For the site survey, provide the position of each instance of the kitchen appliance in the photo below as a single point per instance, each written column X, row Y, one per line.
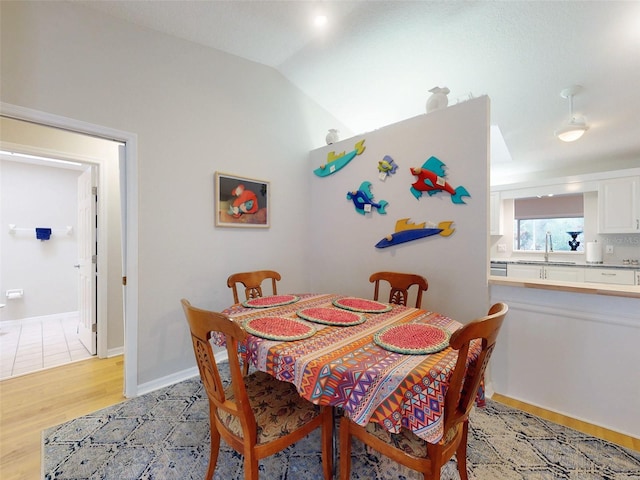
column 499, row 269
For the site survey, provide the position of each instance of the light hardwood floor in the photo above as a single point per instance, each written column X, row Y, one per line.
column 32, row 403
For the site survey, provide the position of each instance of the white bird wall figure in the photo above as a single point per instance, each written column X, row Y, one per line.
column 438, row 98
column 332, row 136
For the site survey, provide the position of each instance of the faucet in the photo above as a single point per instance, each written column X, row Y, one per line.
column 548, row 246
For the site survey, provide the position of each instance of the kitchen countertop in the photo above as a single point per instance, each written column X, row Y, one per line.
column 632, row 291
column 563, row 263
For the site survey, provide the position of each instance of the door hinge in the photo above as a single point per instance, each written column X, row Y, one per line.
column 94, row 259
column 94, row 327
column 94, row 190
column 124, row 281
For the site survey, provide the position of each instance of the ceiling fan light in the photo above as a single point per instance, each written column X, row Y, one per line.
column 576, row 126
column 571, row 132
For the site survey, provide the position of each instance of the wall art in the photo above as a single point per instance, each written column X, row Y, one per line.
column 407, row 231
column 241, row 202
column 335, row 162
column 431, row 179
column 387, row 166
column 363, row 200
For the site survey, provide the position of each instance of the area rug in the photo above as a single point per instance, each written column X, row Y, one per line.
column 164, row 435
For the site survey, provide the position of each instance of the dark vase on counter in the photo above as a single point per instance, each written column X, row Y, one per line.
column 574, row 243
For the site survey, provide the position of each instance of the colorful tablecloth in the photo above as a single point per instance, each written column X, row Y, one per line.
column 343, row 367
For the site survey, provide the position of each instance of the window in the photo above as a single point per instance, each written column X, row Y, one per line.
column 558, row 215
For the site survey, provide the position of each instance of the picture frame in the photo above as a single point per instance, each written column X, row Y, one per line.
column 241, row 201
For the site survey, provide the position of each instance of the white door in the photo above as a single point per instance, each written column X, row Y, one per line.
column 87, row 326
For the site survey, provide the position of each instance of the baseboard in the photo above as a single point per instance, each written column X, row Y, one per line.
column 624, row 439
column 114, row 352
column 176, row 377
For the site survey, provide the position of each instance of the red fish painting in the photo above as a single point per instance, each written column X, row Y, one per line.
column 245, row 202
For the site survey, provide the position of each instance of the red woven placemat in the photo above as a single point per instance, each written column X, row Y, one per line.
column 412, row 338
column 279, row 328
column 361, row 305
column 271, row 301
column 331, row 316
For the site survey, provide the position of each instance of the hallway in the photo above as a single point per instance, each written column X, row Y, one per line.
column 38, row 343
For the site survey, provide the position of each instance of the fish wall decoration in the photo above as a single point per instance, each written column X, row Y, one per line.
column 339, row 161
column 431, row 179
column 363, row 200
column 407, row 231
column 387, row 166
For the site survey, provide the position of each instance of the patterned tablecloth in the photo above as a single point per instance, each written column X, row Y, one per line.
column 343, row 367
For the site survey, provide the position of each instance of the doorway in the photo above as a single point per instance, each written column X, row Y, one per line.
column 125, row 170
column 45, row 171
column 128, row 177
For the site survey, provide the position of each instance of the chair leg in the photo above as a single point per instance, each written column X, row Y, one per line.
column 214, row 450
column 250, row 466
column 461, row 452
column 434, row 452
column 327, row 443
column 244, row 362
column 434, row 474
column 345, row 449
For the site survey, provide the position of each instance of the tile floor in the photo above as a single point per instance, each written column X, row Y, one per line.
column 37, row 343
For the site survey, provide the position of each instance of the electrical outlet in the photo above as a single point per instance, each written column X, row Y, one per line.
column 609, row 249
column 502, row 248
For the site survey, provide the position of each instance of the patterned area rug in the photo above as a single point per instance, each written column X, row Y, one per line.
column 165, row 435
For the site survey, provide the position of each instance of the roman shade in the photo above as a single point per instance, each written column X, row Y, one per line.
column 558, row 206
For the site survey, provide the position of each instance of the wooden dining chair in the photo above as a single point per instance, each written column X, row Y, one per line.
column 410, row 450
column 257, row 415
column 400, row 284
column 252, row 282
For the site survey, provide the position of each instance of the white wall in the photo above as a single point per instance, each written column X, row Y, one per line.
column 38, row 196
column 195, row 110
column 572, row 353
column 341, row 250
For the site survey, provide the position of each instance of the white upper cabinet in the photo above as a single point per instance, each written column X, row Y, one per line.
column 495, row 214
column 619, row 205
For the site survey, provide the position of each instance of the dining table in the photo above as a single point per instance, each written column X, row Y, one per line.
column 378, row 362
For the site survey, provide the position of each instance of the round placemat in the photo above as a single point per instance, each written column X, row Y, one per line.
column 331, row 316
column 361, row 305
column 271, row 301
column 412, row 338
column 279, row 328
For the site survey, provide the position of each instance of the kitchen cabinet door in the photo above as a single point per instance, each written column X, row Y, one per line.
column 524, row 271
column 619, row 205
column 564, row 274
column 611, row 276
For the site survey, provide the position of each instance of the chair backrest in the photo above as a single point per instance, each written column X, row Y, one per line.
column 252, row 282
column 464, row 383
column 202, row 323
column 400, row 284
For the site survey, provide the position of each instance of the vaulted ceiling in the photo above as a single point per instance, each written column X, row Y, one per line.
column 375, row 61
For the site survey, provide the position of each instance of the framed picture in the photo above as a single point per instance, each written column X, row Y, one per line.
column 241, row 202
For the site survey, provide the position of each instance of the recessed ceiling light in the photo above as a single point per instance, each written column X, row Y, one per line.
column 320, row 20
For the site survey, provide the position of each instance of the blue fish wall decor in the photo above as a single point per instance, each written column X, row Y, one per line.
column 363, row 200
